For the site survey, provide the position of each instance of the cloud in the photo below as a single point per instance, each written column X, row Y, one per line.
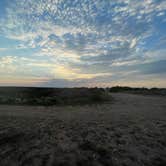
column 82, row 39
column 3, row 49
column 158, row 67
column 6, row 65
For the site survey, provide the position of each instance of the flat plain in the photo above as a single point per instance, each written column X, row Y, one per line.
column 128, row 131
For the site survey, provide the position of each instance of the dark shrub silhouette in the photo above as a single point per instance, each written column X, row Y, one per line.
column 52, row 96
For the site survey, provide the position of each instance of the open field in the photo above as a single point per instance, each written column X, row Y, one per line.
column 130, row 131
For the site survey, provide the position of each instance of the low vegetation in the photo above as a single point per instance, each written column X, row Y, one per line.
column 131, row 131
column 52, row 96
column 67, row 96
column 144, row 91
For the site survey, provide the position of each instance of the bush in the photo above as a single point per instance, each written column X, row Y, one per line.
column 52, row 96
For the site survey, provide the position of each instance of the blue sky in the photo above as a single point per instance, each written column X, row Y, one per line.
column 66, row 43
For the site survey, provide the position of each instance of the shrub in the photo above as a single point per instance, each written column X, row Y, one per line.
column 52, row 96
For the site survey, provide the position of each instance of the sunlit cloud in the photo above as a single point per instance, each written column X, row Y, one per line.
column 81, row 39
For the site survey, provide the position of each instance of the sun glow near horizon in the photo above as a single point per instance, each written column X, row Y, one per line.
column 62, row 43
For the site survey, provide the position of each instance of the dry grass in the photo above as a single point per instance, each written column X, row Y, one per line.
column 131, row 131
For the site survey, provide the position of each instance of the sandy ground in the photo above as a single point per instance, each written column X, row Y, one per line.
column 130, row 131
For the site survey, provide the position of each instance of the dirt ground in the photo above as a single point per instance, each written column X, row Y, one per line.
column 130, row 131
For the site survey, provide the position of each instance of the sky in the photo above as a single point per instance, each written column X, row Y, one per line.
column 83, row 43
